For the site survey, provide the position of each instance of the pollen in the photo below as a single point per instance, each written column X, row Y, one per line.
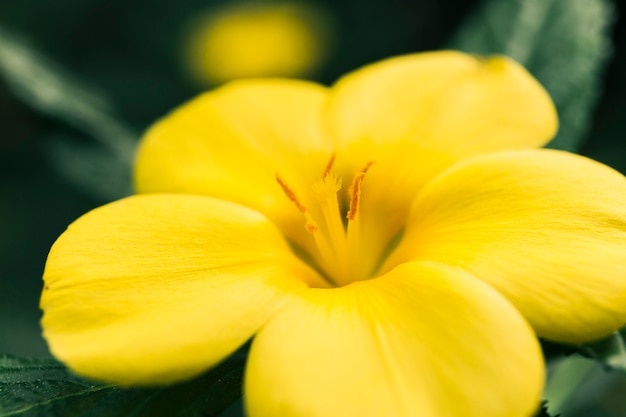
column 329, row 165
column 311, row 227
column 291, row 195
column 355, row 191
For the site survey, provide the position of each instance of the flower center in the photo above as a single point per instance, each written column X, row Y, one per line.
column 337, row 235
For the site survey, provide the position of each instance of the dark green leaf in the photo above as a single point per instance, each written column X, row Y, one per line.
column 96, row 170
column 553, row 350
column 611, row 352
column 564, row 43
column 543, row 412
column 45, row 388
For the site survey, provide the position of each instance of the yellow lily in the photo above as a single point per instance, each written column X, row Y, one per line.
column 393, row 244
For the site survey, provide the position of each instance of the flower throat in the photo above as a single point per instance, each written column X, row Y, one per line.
column 337, row 236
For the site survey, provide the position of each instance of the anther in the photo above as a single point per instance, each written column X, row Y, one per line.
column 355, row 195
column 311, row 226
column 329, row 165
column 354, row 192
column 367, row 167
column 291, row 195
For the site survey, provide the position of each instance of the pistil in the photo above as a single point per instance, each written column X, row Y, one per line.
column 333, row 231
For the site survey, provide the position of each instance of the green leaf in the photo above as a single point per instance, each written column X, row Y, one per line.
column 98, row 171
column 566, row 385
column 610, row 352
column 53, row 91
column 564, row 43
column 45, row 388
column 543, row 412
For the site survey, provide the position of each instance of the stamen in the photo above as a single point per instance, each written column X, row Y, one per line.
column 355, row 191
column 339, row 245
column 329, row 165
column 355, row 196
column 291, row 195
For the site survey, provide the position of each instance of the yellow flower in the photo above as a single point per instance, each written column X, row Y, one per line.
column 392, row 243
column 256, row 40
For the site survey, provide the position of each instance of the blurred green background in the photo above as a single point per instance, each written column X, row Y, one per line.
column 128, row 53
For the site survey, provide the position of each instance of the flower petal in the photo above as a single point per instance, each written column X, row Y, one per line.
column 155, row 289
column 231, row 142
column 425, row 340
column 546, row 228
column 444, row 100
column 416, row 115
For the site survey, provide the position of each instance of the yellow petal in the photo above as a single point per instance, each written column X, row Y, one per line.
column 444, row 100
column 425, row 340
column 155, row 289
column 546, row 228
column 417, row 114
column 231, row 142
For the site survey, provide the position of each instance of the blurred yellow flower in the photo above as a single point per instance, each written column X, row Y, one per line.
column 393, row 244
column 256, row 40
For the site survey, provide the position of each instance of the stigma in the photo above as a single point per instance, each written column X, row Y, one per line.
column 336, row 230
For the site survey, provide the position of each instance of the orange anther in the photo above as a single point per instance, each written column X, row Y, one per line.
column 291, row 195
column 355, row 195
column 329, row 165
column 311, row 227
column 355, row 191
column 367, row 166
